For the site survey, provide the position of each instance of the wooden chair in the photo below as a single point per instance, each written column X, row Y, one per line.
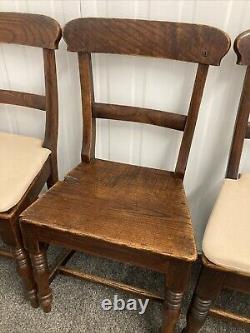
column 128, row 213
column 226, row 243
column 27, row 163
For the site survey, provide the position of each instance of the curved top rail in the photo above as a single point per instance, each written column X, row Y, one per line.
column 242, row 48
column 180, row 41
column 29, row 29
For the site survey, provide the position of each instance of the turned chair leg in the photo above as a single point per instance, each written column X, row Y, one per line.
column 41, row 274
column 176, row 282
column 208, row 288
column 23, row 266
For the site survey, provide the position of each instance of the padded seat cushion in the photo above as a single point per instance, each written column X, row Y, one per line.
column 227, row 237
column 21, row 159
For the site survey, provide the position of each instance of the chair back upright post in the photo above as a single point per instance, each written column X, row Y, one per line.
column 242, row 125
column 43, row 32
column 177, row 41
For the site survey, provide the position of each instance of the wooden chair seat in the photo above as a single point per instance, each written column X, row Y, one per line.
column 23, row 158
column 227, row 237
column 137, row 207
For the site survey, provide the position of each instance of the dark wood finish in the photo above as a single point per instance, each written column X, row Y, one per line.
column 213, row 277
column 180, row 41
column 22, row 99
column 44, row 32
column 29, row 29
column 139, row 115
column 24, row 270
column 40, row 270
column 132, row 214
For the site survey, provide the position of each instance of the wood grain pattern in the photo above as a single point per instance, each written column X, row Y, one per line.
column 22, row 99
column 139, row 115
column 140, row 219
column 29, row 29
column 180, row 41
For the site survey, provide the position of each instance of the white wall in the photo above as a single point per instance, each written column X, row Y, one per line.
column 160, row 84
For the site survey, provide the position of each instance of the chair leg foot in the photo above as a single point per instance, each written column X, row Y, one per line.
column 197, row 315
column 41, row 274
column 23, row 266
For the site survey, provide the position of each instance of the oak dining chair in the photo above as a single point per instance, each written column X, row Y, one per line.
column 27, row 163
column 128, row 213
column 226, row 243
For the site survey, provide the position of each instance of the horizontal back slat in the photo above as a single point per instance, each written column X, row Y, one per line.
column 29, row 29
column 180, row 41
column 140, row 115
column 22, row 99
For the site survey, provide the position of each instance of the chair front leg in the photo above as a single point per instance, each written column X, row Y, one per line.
column 176, row 282
column 209, row 285
column 37, row 252
column 24, row 269
column 41, row 274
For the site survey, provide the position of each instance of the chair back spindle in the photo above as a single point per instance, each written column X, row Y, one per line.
column 242, row 125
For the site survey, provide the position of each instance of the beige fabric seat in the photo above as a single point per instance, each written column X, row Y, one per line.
column 227, row 237
column 21, row 159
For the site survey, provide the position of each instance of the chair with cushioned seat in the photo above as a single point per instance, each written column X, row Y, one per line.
column 226, row 243
column 27, row 163
column 128, row 213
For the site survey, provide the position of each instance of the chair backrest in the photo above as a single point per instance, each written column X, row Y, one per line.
column 242, row 125
column 180, row 41
column 38, row 31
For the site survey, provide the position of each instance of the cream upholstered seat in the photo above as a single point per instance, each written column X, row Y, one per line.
column 21, row 159
column 227, row 237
